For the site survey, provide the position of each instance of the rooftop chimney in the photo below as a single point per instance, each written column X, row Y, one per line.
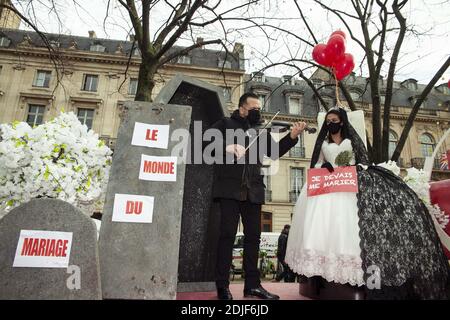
column 200, row 40
column 92, row 34
column 238, row 50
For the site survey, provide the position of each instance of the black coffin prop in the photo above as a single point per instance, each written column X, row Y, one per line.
column 200, row 215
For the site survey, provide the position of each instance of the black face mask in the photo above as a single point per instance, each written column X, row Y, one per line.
column 254, row 116
column 333, row 127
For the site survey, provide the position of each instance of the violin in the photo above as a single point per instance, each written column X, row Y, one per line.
column 279, row 126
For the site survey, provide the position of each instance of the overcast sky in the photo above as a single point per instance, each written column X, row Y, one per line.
column 421, row 56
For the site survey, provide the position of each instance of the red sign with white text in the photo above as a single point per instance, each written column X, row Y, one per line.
column 342, row 179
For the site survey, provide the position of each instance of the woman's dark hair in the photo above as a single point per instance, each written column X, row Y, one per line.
column 347, row 132
column 344, row 120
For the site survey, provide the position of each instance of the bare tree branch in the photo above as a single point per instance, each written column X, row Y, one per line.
column 390, row 79
column 416, row 107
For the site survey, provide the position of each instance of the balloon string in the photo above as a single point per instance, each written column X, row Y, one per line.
column 338, row 101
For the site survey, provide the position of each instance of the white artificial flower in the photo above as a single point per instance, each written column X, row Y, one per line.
column 417, row 180
column 391, row 165
column 59, row 159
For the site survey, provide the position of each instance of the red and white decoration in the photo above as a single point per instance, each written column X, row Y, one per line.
column 43, row 249
column 150, row 135
column 155, row 168
column 342, row 179
column 133, row 208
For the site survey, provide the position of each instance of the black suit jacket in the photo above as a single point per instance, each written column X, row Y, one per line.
column 242, row 181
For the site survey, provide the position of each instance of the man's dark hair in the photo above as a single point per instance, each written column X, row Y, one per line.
column 243, row 98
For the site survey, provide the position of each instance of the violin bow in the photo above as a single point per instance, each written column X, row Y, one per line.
column 261, row 130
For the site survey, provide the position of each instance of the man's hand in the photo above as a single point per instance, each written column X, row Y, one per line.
column 237, row 149
column 297, row 128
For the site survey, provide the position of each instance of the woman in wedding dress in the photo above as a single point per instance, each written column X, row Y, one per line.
column 381, row 239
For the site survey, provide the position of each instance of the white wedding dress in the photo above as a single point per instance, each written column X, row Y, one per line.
column 324, row 235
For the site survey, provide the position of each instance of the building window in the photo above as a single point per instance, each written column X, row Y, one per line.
column 322, row 108
column 329, row 101
column 266, row 222
column 97, row 48
column 258, row 76
column 288, row 79
column 296, row 183
column 224, row 64
column 355, row 95
column 184, row 59
column 393, row 139
column 42, row 79
column 90, row 82
column 35, row 115
column 317, row 83
column 295, row 105
column 132, row 88
column 54, row 44
column 262, row 100
column 427, row 145
column 268, row 191
column 422, row 105
column 86, row 116
column 136, row 52
column 412, row 86
column 382, row 99
column 298, row 151
column 266, row 180
column 226, row 92
column 352, row 77
column 445, row 89
column 4, row 42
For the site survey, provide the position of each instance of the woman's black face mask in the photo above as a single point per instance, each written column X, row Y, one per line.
column 254, row 116
column 334, row 127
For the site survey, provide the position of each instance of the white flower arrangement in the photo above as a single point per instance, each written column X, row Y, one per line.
column 59, row 159
column 417, row 180
column 392, row 166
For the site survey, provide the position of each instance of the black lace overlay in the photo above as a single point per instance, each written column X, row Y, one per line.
column 399, row 238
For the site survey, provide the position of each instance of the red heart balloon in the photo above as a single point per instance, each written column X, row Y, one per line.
column 448, row 83
column 344, row 66
column 321, row 55
column 339, row 32
column 336, row 46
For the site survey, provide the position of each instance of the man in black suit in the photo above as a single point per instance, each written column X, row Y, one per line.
column 239, row 188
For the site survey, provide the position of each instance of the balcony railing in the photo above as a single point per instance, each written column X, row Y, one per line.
column 428, row 112
column 418, row 163
column 297, row 152
column 437, row 164
column 268, row 195
column 293, row 196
